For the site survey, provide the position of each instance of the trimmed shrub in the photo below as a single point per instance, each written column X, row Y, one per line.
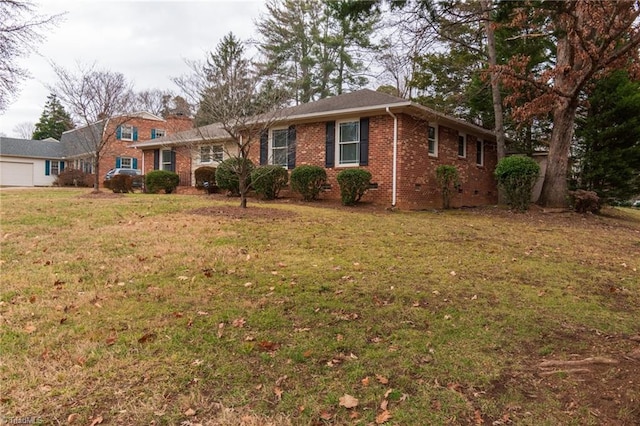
column 517, row 175
column 120, row 184
column 267, row 181
column 161, row 179
column 353, row 184
column 206, row 179
column 74, row 177
column 448, row 179
column 308, row 181
column 585, row 201
column 227, row 174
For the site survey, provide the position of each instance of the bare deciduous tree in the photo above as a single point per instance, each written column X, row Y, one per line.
column 229, row 92
column 20, row 31
column 97, row 99
column 24, row 130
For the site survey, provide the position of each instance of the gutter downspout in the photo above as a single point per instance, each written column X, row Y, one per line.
column 394, row 174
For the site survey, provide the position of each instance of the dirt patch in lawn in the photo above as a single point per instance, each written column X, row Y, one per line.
column 595, row 379
column 101, row 195
column 236, row 212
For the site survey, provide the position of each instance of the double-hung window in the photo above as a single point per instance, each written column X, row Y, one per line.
column 432, row 137
column 479, row 152
column 211, row 154
column 349, row 143
column 165, row 159
column 126, row 133
column 279, row 147
column 126, row 163
column 55, row 168
column 462, row 145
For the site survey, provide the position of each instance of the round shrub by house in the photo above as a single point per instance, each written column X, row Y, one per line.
column 157, row 180
column 353, row 184
column 517, row 175
column 228, row 172
column 267, row 181
column 308, row 181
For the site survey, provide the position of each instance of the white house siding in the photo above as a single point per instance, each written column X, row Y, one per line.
column 19, row 171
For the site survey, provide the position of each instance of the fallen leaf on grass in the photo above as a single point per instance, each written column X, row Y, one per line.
column 30, row 329
column 98, row 420
column 348, row 401
column 383, row 380
column 384, row 404
column 239, row 322
column 383, row 417
column 148, row 337
column 354, row 415
column 73, row 418
column 190, row 412
column 326, row 415
column 477, row 418
column 111, row 339
column 268, row 346
column 365, row 381
column 278, row 393
column 220, row 330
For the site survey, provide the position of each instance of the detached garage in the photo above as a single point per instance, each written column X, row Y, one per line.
column 25, row 162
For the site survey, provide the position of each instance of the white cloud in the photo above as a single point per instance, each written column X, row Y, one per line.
column 147, row 41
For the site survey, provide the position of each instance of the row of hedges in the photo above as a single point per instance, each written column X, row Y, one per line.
column 268, row 181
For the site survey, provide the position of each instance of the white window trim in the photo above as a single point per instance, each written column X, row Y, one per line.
column 122, row 166
column 160, row 133
column 337, row 142
column 270, row 146
column 480, row 142
column 162, row 163
column 128, row 127
column 435, row 145
column 465, row 139
column 211, row 154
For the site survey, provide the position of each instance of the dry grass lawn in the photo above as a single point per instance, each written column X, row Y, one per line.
column 183, row 309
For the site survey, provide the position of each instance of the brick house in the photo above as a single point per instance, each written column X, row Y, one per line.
column 119, row 133
column 400, row 142
column 185, row 151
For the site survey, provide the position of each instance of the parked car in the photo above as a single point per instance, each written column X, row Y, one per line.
column 137, row 183
column 636, row 204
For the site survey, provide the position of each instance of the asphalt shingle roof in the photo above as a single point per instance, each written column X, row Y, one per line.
column 13, row 147
column 82, row 140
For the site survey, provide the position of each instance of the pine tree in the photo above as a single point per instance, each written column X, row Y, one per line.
column 609, row 138
column 54, row 120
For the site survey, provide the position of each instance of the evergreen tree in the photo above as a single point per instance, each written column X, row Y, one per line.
column 54, row 120
column 313, row 48
column 609, row 138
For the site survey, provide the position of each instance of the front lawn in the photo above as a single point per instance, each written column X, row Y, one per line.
column 182, row 309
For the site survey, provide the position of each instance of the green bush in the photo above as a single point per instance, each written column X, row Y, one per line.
column 267, row 181
column 206, row 178
column 161, row 179
column 308, row 181
column 74, row 177
column 448, row 179
column 353, row 184
column 227, row 174
column 517, row 175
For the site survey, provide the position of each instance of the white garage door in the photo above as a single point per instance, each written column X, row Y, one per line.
column 16, row 174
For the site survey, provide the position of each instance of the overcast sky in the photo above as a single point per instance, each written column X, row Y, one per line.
column 146, row 40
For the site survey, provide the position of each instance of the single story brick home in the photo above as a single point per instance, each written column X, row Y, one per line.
column 25, row 162
column 400, row 142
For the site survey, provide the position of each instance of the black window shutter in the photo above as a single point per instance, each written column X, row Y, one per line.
column 264, row 147
column 330, row 151
column 173, row 161
column 156, row 159
column 364, row 141
column 291, row 148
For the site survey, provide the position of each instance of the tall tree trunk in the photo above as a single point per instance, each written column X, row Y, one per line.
column 555, row 189
column 495, row 79
column 96, row 170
